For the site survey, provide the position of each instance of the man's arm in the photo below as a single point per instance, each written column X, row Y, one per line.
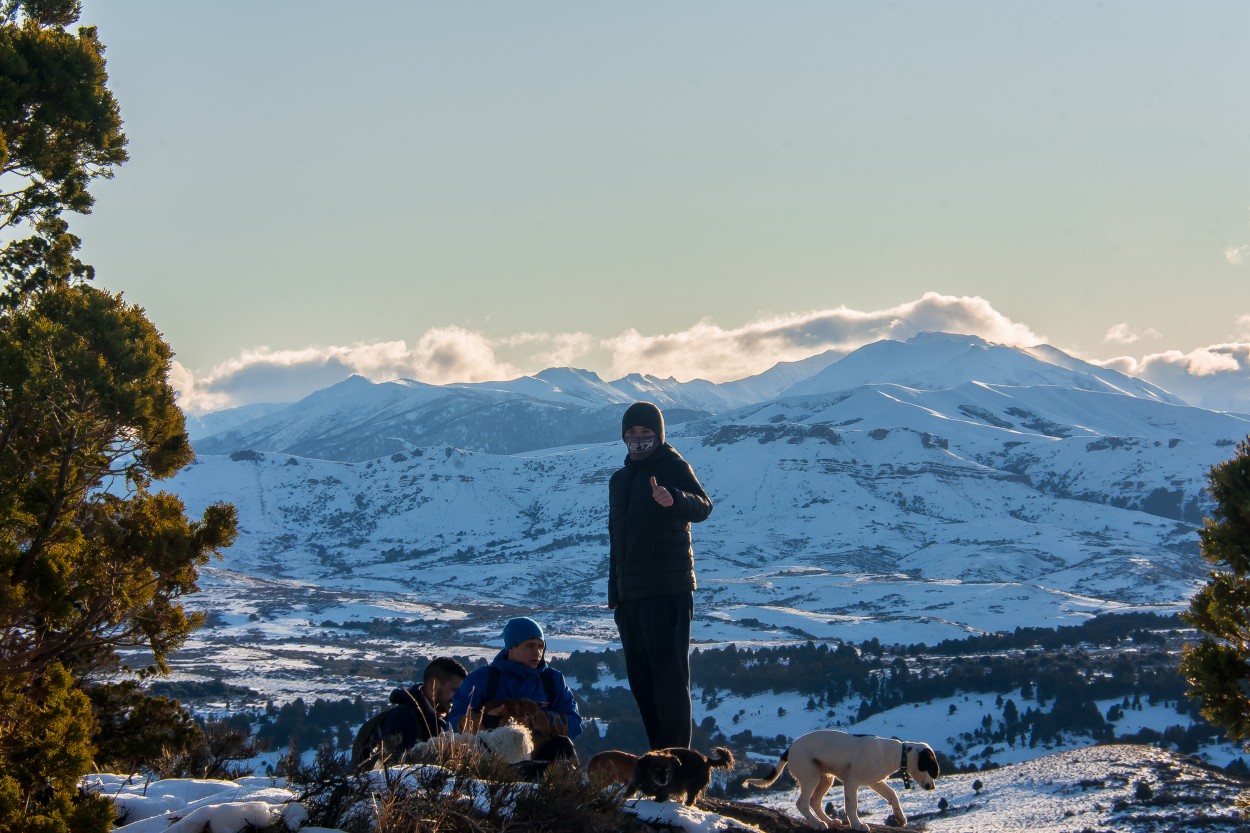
column 690, row 502
column 566, row 707
column 468, row 696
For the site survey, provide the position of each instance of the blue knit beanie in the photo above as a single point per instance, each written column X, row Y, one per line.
column 519, row 630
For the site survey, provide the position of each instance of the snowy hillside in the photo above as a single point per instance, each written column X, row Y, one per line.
column 1098, row 788
column 357, row 420
column 933, row 361
column 1133, row 789
column 884, row 511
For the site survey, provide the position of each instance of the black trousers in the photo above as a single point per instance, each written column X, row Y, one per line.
column 655, row 637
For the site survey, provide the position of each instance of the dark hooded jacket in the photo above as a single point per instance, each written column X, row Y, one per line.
column 650, row 544
column 415, row 721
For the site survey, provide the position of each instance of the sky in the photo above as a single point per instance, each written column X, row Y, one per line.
column 474, row 191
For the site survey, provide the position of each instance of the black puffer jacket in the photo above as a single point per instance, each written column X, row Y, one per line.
column 650, row 544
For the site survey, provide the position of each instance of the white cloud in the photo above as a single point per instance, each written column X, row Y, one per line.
column 560, row 349
column 1124, row 334
column 1205, row 361
column 709, row 351
column 1217, row 376
column 442, row 355
column 704, row 350
column 1236, row 254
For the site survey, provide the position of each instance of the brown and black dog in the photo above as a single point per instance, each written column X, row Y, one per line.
column 612, row 766
column 677, row 771
column 542, row 725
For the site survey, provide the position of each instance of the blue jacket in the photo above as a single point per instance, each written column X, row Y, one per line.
column 516, row 681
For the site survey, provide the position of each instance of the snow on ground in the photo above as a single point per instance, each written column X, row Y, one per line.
column 676, row 816
column 1125, row 788
column 188, row 805
column 934, row 723
column 1096, row 788
column 208, row 806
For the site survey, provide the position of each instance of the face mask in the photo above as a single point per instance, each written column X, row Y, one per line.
column 641, row 445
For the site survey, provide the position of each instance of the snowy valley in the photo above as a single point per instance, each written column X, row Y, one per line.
column 908, row 493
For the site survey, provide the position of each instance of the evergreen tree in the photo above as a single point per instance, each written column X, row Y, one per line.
column 94, row 560
column 60, row 128
column 1218, row 667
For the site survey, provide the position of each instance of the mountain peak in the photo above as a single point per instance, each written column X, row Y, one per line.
column 942, row 361
column 932, row 337
column 563, row 374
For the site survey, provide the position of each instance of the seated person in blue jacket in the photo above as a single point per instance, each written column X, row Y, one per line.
column 519, row 672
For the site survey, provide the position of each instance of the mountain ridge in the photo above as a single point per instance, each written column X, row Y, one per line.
column 358, row 420
column 1043, row 502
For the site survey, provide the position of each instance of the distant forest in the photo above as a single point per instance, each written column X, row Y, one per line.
column 1057, row 674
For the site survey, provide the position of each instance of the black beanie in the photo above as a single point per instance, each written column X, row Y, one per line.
column 646, row 415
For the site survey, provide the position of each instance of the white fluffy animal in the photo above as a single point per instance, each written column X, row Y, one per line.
column 817, row 758
column 511, row 741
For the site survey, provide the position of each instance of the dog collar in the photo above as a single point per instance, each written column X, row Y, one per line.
column 902, row 764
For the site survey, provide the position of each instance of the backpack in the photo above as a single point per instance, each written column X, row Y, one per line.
column 369, row 739
column 548, row 680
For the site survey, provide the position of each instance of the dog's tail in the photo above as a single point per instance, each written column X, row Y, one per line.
column 772, row 776
column 724, row 758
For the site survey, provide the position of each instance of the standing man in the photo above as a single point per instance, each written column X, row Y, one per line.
column 652, row 500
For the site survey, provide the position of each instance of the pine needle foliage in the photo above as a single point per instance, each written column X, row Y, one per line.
column 94, row 560
column 1218, row 667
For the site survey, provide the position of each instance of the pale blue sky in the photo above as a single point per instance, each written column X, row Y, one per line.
column 318, row 176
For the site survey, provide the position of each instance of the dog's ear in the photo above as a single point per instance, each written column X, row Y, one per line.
column 927, row 761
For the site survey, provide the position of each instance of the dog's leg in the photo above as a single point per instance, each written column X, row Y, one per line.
column 812, row 788
column 817, row 801
column 884, row 790
column 697, row 785
column 851, row 795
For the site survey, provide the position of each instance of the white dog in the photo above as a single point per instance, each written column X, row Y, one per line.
column 857, row 761
column 511, row 741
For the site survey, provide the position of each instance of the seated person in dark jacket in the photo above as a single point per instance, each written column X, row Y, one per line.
column 520, row 673
column 423, row 707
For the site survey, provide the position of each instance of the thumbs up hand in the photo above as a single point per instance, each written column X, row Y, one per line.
column 661, row 495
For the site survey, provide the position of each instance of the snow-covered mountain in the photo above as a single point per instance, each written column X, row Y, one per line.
column 949, row 487
column 358, row 420
column 205, row 425
column 933, row 361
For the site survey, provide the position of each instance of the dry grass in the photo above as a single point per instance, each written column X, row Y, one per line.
column 456, row 789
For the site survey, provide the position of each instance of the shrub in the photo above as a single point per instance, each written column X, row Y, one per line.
column 456, row 790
